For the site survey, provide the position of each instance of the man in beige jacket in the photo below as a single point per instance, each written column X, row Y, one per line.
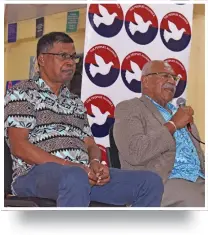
column 151, row 134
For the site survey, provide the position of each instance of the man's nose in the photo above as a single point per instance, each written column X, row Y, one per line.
column 172, row 81
column 70, row 62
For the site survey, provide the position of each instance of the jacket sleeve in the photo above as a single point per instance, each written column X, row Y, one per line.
column 132, row 142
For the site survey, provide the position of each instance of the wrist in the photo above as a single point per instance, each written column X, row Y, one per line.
column 94, row 160
column 173, row 123
column 171, row 127
column 65, row 162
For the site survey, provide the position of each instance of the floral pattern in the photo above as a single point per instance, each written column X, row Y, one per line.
column 187, row 164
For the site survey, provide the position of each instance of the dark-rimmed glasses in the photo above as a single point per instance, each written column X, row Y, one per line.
column 64, row 56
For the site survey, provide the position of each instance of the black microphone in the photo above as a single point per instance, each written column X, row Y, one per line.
column 181, row 102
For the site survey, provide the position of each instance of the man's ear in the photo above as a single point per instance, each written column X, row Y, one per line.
column 41, row 60
column 144, row 81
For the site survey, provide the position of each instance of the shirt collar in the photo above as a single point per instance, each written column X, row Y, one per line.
column 64, row 91
column 169, row 105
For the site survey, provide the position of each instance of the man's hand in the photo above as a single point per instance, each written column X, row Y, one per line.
column 101, row 172
column 183, row 116
column 91, row 175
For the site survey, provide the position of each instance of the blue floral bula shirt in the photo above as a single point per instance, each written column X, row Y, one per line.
column 187, row 164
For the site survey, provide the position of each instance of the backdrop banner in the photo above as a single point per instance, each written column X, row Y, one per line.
column 119, row 40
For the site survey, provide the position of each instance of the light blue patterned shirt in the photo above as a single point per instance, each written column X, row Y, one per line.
column 56, row 124
column 187, row 164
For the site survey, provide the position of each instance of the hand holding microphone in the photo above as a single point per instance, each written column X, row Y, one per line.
column 184, row 116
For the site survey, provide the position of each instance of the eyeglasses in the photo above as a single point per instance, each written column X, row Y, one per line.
column 65, row 56
column 166, row 76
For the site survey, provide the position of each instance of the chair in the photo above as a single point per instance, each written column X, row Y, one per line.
column 112, row 152
column 15, row 201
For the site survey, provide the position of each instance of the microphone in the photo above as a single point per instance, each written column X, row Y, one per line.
column 181, row 102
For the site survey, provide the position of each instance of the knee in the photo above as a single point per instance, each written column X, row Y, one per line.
column 154, row 181
column 75, row 176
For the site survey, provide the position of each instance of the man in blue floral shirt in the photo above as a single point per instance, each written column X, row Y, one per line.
column 157, row 138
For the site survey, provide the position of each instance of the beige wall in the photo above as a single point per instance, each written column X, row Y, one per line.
column 17, row 55
column 196, row 73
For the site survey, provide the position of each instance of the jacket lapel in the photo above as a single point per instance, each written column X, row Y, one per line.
column 153, row 109
column 160, row 119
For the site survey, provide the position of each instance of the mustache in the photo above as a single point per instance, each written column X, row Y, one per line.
column 68, row 70
column 169, row 86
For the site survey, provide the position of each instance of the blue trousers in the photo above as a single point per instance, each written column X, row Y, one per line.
column 70, row 187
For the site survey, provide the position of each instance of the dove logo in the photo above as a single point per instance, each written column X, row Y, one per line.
column 175, row 31
column 106, row 19
column 103, row 153
column 131, row 70
column 100, row 113
column 141, row 24
column 181, row 72
column 102, row 65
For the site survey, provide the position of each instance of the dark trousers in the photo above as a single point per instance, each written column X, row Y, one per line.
column 70, row 187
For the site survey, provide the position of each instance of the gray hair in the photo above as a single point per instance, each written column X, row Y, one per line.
column 147, row 68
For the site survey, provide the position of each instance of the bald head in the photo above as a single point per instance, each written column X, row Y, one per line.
column 156, row 66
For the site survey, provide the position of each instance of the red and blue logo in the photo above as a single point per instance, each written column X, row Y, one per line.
column 102, row 65
column 100, row 113
column 181, row 72
column 141, row 24
column 106, row 19
column 131, row 70
column 175, row 31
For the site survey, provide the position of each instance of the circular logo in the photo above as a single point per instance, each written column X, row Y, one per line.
column 141, row 24
column 181, row 72
column 175, row 31
column 131, row 70
column 102, row 65
column 100, row 112
column 106, row 19
column 103, row 154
